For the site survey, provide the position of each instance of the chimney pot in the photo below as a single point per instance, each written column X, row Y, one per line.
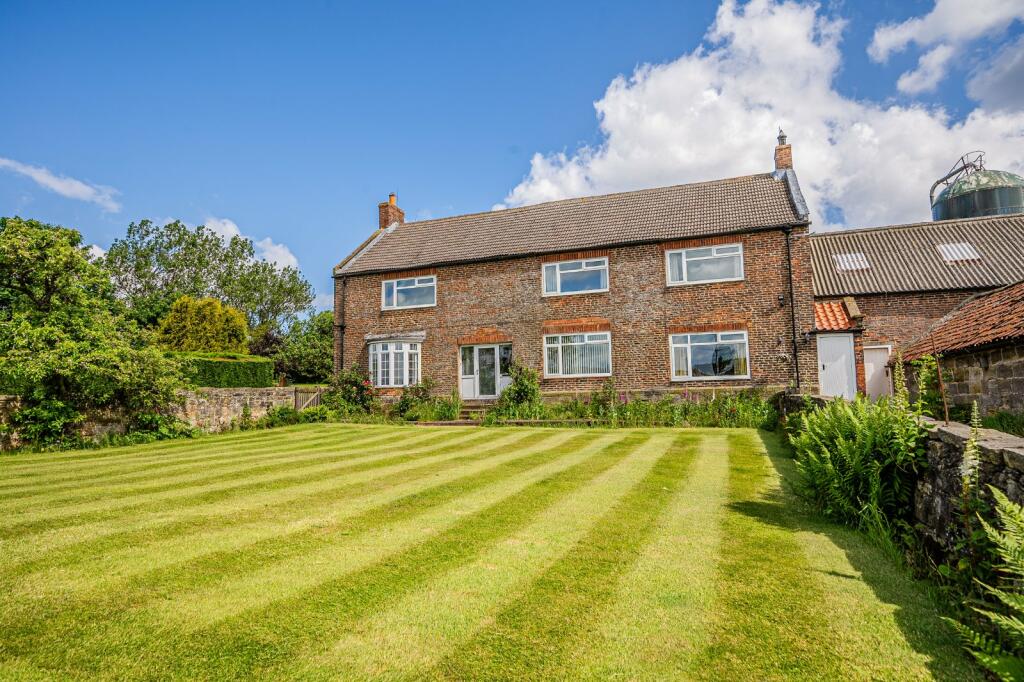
column 783, row 153
column 388, row 212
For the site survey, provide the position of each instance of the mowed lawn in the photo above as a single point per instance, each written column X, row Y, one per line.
column 336, row 551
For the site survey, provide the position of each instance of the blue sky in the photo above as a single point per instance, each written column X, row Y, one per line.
column 289, row 122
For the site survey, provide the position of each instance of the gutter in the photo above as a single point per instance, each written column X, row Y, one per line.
column 792, row 309
column 339, row 324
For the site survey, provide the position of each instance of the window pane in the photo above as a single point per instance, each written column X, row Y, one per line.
column 414, row 368
column 416, row 296
column 550, row 279
column 407, row 282
column 425, row 280
column 600, row 358
column 571, row 265
column 731, row 337
column 505, row 357
column 467, row 361
column 374, row 366
column 699, row 253
column 703, row 338
column 679, row 339
column 681, row 367
column 722, row 250
column 573, row 338
column 385, row 367
column 552, row 360
column 599, row 263
column 723, row 359
column 389, row 294
column 399, row 368
column 675, row 267
column 725, row 267
column 583, row 280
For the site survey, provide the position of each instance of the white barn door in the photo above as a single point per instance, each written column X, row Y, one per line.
column 837, row 372
column 876, row 371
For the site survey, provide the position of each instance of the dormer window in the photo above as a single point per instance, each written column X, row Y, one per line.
column 576, row 277
column 958, row 251
column 411, row 292
column 851, row 261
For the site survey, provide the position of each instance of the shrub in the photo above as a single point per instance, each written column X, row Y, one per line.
column 858, row 461
column 350, row 392
column 306, row 351
column 227, row 370
column 448, row 409
column 412, row 400
column 1002, row 653
column 521, row 399
column 203, row 324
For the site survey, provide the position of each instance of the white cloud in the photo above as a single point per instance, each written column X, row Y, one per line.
column 96, row 251
column 713, row 113
column 999, row 82
column 323, row 302
column 948, row 27
column 266, row 248
column 65, row 186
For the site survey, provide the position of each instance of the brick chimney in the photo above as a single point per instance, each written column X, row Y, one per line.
column 390, row 213
column 783, row 153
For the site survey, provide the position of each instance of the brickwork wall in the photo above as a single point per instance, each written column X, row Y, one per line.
column 898, row 319
column 505, row 298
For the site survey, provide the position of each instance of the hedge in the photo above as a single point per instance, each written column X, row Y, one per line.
column 227, row 370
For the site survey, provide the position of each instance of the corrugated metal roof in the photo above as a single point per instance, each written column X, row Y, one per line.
column 989, row 318
column 665, row 213
column 905, row 258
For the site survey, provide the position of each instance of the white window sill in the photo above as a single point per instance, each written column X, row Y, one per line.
column 704, row 281
column 575, row 293
column 728, row 378
column 576, row 376
column 409, row 307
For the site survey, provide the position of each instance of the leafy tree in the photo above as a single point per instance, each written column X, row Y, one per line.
column 204, row 324
column 307, row 351
column 65, row 345
column 153, row 266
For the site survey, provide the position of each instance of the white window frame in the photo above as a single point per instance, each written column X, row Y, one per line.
column 559, row 344
column 689, row 356
column 714, row 254
column 408, row 347
column 558, row 276
column 418, row 283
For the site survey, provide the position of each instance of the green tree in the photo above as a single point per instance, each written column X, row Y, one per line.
column 153, row 266
column 65, row 345
column 306, row 354
column 204, row 324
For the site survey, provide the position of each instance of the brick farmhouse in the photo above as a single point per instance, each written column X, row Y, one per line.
column 682, row 289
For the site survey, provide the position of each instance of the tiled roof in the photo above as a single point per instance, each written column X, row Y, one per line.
column 986, row 318
column 719, row 207
column 831, row 316
column 905, row 258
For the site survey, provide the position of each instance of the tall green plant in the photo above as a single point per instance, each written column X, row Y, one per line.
column 521, row 399
column 1001, row 652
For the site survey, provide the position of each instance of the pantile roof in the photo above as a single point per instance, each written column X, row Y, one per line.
column 984, row 319
column 650, row 215
column 831, row 316
column 906, row 258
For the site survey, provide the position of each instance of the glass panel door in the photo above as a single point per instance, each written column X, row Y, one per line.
column 486, row 367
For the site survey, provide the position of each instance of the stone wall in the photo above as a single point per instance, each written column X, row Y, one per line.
column 939, row 487
column 213, row 409
column 993, row 377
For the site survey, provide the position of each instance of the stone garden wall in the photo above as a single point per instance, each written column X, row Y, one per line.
column 939, row 488
column 213, row 409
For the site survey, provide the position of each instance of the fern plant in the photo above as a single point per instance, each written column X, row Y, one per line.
column 1001, row 651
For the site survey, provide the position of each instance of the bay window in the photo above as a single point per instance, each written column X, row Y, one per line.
column 411, row 292
column 715, row 355
column 704, row 264
column 578, row 355
column 394, row 364
column 576, row 276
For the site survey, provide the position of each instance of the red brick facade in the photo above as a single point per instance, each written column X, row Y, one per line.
column 502, row 301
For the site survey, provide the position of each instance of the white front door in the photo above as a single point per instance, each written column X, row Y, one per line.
column 876, row 371
column 484, row 370
column 837, row 372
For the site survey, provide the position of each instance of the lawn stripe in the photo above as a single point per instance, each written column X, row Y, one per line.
column 212, row 511
column 316, row 598
column 417, row 630
column 768, row 619
column 291, row 458
column 883, row 624
column 534, row 636
column 658, row 618
column 38, row 520
column 171, row 463
column 121, row 557
column 236, row 551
